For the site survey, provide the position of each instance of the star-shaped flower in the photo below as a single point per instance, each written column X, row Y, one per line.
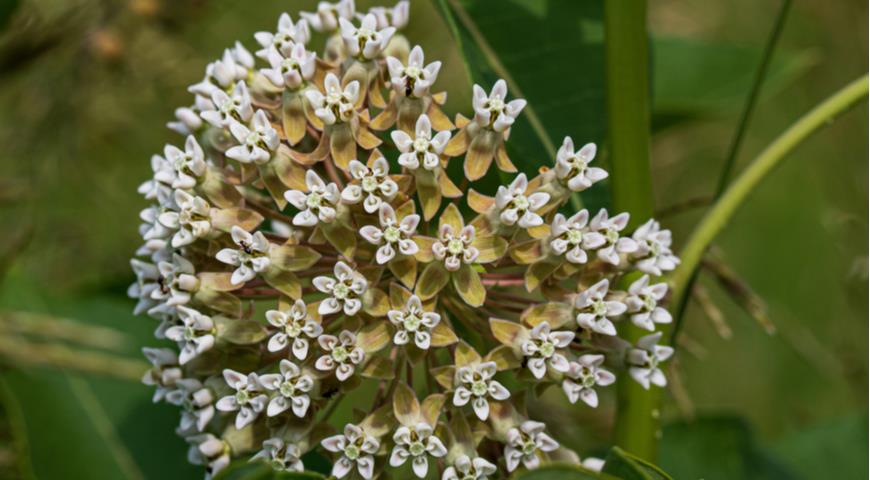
column 493, row 110
column 653, row 255
column 516, row 207
column 392, row 235
column 424, row 149
column 164, row 372
column 524, row 443
column 287, row 36
column 293, row 326
column 573, row 167
column 196, row 402
column 372, row 185
column 466, row 468
column 291, row 386
column 177, row 282
column 417, row 443
column 366, row 41
column 249, row 399
column 337, row 104
column 230, row 108
column 257, row 141
column 643, row 303
column 356, row 448
column 571, row 237
column 211, row 451
column 594, row 311
column 542, row 349
column 415, row 78
column 316, row 205
column 583, row 376
column 397, row 16
column 345, row 290
column 251, row 258
column 476, row 384
column 645, row 359
column 342, row 354
column 291, row 70
column 280, row 455
column 414, row 322
column 195, row 335
column 325, row 19
column 609, row 228
column 190, row 220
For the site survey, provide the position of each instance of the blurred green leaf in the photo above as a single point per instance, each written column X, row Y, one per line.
column 628, row 467
column 717, row 448
column 833, row 449
column 692, row 77
column 71, row 426
column 561, row 472
column 244, row 470
column 7, row 10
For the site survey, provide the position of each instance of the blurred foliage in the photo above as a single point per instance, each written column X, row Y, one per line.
column 88, row 84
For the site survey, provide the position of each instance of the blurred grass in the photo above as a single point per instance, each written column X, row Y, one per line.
column 86, row 86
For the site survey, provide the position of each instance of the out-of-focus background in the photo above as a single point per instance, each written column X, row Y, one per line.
column 86, row 87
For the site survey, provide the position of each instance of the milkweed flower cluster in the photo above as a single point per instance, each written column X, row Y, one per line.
column 304, row 241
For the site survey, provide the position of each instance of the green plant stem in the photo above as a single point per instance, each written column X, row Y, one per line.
column 724, row 209
column 22, row 353
column 628, row 128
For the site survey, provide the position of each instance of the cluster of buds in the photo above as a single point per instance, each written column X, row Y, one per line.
column 307, row 242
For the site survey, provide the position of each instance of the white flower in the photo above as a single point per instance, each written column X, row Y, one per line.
column 164, row 373
column 292, row 387
column 593, row 463
column 291, row 326
column 355, row 447
column 466, row 468
column 251, row 258
column 392, row 235
column 221, row 74
column 645, row 359
column 196, row 402
column 571, row 235
column 582, row 378
column 291, row 70
column 160, row 184
column 594, row 311
column 524, row 443
column 543, row 349
column 147, row 282
column 283, row 457
column 397, row 16
column 325, row 19
column 342, row 354
column 187, row 119
column 211, row 451
column 413, row 321
column 177, row 282
column 195, row 335
column 189, row 165
column 417, row 443
column 643, row 303
column 316, row 205
column 476, row 384
column 454, row 250
column 285, row 38
column 249, row 399
column 413, row 79
column 492, row 110
column 155, row 234
column 191, row 220
column 235, row 107
column 516, row 207
column 613, row 243
column 257, row 142
column 653, row 253
column 365, row 42
column 423, row 148
column 573, row 167
column 345, row 290
column 337, row 104
column 375, row 185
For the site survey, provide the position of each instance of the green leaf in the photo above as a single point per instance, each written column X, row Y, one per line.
column 562, row 472
column 833, row 449
column 628, row 467
column 82, row 426
column 720, row 448
column 244, row 470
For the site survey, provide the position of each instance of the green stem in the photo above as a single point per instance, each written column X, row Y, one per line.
column 724, row 209
column 628, row 127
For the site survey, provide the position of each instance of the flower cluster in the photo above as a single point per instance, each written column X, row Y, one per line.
column 307, row 241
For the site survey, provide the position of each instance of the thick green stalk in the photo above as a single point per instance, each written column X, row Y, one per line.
column 628, row 128
column 724, row 209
